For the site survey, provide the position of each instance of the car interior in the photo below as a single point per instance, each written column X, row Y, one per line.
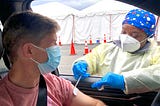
column 112, row 97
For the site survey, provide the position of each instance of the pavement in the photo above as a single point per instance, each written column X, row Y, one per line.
column 67, row 60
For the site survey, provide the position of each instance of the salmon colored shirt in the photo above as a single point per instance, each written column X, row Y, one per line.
column 59, row 93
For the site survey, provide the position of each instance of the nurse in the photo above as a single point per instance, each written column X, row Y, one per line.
column 131, row 63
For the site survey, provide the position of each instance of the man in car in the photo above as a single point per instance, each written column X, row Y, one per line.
column 131, row 63
column 29, row 40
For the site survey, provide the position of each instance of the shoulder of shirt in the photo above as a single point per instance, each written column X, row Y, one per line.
column 51, row 76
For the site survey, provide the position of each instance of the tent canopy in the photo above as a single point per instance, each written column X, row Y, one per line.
column 56, row 9
column 104, row 17
column 108, row 6
column 53, row 9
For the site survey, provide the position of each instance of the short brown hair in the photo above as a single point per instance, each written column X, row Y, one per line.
column 24, row 27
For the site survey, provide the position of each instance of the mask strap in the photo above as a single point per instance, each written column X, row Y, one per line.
column 35, row 61
column 39, row 48
column 146, row 38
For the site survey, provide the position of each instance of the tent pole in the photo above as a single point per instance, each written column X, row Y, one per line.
column 157, row 25
column 73, row 28
column 110, row 22
column 156, row 33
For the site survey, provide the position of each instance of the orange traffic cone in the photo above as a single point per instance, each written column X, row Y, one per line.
column 90, row 40
column 72, row 49
column 60, row 44
column 105, row 41
column 86, row 48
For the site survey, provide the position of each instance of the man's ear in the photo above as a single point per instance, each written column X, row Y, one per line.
column 27, row 49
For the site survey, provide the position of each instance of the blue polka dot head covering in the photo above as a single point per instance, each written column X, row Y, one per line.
column 143, row 20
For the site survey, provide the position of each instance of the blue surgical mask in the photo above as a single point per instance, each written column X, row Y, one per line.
column 53, row 61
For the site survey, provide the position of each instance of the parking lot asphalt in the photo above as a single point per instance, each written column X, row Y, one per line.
column 67, row 59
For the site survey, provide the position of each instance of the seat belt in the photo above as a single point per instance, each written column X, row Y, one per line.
column 42, row 94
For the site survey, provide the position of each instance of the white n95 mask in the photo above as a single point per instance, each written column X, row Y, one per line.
column 128, row 43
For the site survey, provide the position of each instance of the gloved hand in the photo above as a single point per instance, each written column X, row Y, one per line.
column 80, row 69
column 112, row 80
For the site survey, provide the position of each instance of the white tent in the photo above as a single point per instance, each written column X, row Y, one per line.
column 62, row 14
column 53, row 9
column 105, row 17
column 109, row 6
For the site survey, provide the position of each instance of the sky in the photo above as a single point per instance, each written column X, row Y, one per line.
column 76, row 4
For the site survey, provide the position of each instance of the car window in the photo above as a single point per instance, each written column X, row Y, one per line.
column 91, row 24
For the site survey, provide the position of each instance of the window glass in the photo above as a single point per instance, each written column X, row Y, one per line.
column 94, row 23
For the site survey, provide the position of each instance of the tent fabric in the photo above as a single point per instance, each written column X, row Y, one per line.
column 53, row 9
column 108, row 6
column 158, row 30
column 95, row 26
column 105, row 17
column 65, row 33
column 82, row 28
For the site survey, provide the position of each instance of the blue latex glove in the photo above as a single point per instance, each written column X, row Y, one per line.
column 80, row 68
column 112, row 80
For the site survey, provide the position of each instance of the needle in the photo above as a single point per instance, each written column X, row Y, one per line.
column 78, row 81
column 75, row 90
